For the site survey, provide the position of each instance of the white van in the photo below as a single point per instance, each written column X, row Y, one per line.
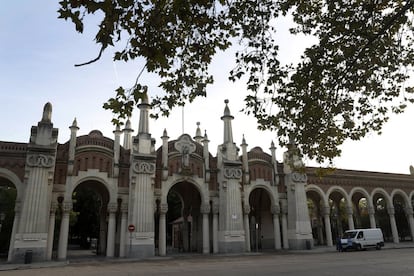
column 362, row 238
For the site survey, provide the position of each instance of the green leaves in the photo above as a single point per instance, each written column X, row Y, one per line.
column 346, row 85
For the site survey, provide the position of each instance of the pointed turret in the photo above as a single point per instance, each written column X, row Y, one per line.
column 164, row 139
column 143, row 142
column 117, row 147
column 127, row 135
column 141, row 187
column 31, row 228
column 206, row 156
column 72, row 145
column 227, row 118
column 245, row 161
column 198, row 137
column 144, row 107
column 274, row 163
column 47, row 113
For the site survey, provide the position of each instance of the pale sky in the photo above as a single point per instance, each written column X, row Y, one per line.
column 37, row 54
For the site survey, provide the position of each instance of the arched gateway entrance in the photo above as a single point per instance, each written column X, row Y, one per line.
column 184, row 221
column 261, row 221
column 88, row 221
column 84, row 222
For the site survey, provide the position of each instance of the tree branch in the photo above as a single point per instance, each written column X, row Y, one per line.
column 93, row 60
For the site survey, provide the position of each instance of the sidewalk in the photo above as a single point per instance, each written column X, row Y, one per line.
column 82, row 260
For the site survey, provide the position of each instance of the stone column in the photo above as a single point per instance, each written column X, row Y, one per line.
column 205, row 210
column 349, row 212
column 124, row 220
column 391, row 213
column 17, row 210
column 64, row 231
column 285, row 240
column 328, row 230
column 320, row 231
column 276, row 226
column 247, row 227
column 371, row 213
column 51, row 231
column 162, row 242
column 110, row 244
column 215, row 228
column 409, row 213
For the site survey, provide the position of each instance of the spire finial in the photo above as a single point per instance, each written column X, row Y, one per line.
column 47, row 113
column 75, row 123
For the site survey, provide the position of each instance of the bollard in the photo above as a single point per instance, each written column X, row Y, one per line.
column 28, row 256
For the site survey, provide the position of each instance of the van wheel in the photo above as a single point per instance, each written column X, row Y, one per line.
column 378, row 247
column 359, row 247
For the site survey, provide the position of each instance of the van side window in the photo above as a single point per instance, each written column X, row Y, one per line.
column 360, row 235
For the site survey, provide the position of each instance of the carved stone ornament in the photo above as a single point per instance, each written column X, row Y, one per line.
column 53, row 207
column 205, row 208
column 232, row 173
column 40, row 160
column 275, row 209
column 67, row 207
column 299, row 177
column 246, row 209
column 326, row 211
column 185, row 147
column 408, row 211
column 144, row 167
column 124, row 207
column 215, row 208
column 163, row 208
column 112, row 207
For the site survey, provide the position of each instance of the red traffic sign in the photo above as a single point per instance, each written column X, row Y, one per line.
column 131, row 228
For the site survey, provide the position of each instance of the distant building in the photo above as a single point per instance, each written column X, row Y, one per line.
column 179, row 198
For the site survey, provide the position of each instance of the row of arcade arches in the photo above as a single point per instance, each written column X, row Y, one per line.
column 335, row 211
column 331, row 213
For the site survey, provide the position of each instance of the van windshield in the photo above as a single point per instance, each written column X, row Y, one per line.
column 349, row 234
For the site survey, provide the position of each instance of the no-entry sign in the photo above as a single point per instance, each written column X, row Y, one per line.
column 131, row 228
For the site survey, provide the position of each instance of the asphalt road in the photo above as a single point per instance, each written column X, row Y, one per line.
column 396, row 262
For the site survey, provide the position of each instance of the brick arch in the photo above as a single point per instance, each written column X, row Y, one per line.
column 167, row 185
column 382, row 192
column 14, row 179
column 340, row 190
column 319, row 191
column 273, row 198
column 404, row 196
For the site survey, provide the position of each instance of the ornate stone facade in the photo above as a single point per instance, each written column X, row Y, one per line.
column 180, row 198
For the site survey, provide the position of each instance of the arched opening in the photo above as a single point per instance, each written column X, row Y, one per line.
column 403, row 228
column 360, row 210
column 338, row 213
column 315, row 205
column 261, row 221
column 8, row 194
column 184, row 220
column 382, row 218
column 88, row 220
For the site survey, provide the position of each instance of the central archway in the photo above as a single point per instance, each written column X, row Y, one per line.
column 261, row 220
column 88, row 221
column 184, row 220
